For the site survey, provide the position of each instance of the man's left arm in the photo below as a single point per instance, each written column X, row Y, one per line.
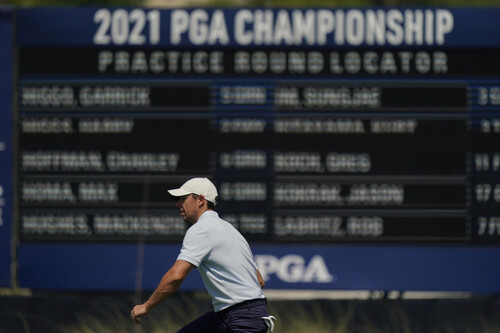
column 168, row 285
column 262, row 283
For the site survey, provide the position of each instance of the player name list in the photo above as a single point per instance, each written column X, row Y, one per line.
column 296, row 153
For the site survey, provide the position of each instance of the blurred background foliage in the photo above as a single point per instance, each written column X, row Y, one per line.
column 250, row 3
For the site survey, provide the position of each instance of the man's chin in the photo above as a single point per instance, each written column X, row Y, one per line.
column 186, row 220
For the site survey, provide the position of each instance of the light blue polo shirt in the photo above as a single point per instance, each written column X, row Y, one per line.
column 224, row 260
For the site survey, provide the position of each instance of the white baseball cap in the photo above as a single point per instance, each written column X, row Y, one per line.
column 199, row 186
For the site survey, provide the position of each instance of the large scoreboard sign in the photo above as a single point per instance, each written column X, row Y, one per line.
column 328, row 132
column 6, row 196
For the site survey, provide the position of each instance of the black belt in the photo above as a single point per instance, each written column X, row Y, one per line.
column 248, row 304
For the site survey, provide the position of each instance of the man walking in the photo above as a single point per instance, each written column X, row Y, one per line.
column 225, row 262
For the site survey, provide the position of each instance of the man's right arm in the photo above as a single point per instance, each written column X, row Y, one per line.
column 168, row 285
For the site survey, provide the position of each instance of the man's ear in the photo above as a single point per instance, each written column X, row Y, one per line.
column 201, row 201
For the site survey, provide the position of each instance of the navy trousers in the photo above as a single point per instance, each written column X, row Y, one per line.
column 244, row 317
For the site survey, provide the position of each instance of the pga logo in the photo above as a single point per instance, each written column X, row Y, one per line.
column 293, row 268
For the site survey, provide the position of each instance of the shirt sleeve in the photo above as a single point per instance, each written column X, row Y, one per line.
column 196, row 246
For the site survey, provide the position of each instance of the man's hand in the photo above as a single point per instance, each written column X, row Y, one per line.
column 138, row 311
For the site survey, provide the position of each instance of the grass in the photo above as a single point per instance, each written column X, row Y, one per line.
column 381, row 316
column 110, row 314
column 291, row 318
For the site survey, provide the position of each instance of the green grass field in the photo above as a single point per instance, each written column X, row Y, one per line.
column 318, row 316
column 110, row 313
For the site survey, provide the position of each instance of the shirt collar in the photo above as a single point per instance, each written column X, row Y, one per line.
column 208, row 213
